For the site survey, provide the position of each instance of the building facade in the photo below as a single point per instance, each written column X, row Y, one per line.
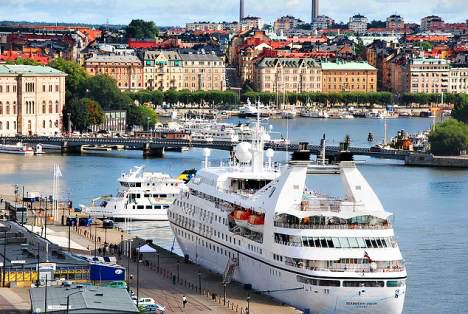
column 427, row 75
column 127, row 70
column 459, row 79
column 358, row 24
column 203, row 72
column 432, row 23
column 163, row 70
column 348, row 77
column 315, row 10
column 322, row 22
column 395, row 23
column 251, row 22
column 288, row 75
column 31, row 100
column 285, row 24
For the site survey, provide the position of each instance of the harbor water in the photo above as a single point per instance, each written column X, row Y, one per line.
column 429, row 205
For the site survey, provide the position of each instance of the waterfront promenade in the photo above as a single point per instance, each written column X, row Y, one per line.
column 163, row 276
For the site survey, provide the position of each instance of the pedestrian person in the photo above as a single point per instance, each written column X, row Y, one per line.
column 184, row 301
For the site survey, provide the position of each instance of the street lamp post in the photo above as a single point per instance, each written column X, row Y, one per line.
column 95, row 239
column 69, row 123
column 128, row 263
column 178, row 270
column 248, row 304
column 224, row 286
column 68, row 299
column 138, row 279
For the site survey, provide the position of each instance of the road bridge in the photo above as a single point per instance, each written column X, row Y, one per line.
column 156, row 146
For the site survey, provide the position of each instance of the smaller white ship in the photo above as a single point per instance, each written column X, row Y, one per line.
column 314, row 113
column 289, row 114
column 18, row 149
column 141, row 196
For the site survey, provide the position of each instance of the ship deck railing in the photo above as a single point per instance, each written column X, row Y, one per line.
column 331, row 226
column 349, row 268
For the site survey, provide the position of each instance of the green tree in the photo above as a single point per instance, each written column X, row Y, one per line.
column 94, row 110
column 460, row 110
column 104, row 90
column 425, row 45
column 78, row 115
column 24, row 61
column 140, row 29
column 449, row 138
column 143, row 116
column 76, row 76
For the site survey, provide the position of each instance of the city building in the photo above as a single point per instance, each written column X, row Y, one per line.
column 204, row 26
column 203, row 72
column 459, row 78
column 163, row 70
column 432, row 23
column 395, row 23
column 114, row 121
column 315, row 10
column 427, row 75
column 251, row 22
column 348, row 77
column 287, row 75
column 322, row 22
column 31, row 100
column 127, row 70
column 285, row 24
column 358, row 24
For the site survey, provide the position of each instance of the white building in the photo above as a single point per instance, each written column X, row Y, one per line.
column 322, row 22
column 31, row 100
column 358, row 23
column 252, row 22
column 459, row 79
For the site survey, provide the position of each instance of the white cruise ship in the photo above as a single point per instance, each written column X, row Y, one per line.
column 262, row 226
column 141, row 196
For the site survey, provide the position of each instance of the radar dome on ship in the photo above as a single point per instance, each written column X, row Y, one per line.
column 269, row 153
column 242, row 151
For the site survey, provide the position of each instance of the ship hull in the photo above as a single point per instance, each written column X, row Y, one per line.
column 282, row 284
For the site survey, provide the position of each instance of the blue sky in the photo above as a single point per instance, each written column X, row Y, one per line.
column 178, row 12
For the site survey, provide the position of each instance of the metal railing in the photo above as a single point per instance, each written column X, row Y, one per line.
column 331, row 226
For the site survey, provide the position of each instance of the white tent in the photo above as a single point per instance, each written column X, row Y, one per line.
column 146, row 249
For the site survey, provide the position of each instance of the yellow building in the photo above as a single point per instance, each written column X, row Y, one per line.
column 290, row 75
column 203, row 72
column 31, row 100
column 348, row 77
column 163, row 70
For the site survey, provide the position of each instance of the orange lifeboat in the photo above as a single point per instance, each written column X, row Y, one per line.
column 256, row 222
column 241, row 217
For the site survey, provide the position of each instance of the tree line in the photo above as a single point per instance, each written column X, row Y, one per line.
column 216, row 99
column 320, row 98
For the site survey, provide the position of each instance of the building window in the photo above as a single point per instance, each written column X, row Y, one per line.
column 50, row 108
column 43, row 124
column 50, row 123
column 56, row 107
column 44, row 105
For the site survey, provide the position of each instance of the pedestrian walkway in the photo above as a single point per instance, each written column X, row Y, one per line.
column 14, row 301
column 174, row 278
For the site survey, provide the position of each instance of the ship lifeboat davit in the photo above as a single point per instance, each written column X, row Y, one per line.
column 241, row 217
column 256, row 223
